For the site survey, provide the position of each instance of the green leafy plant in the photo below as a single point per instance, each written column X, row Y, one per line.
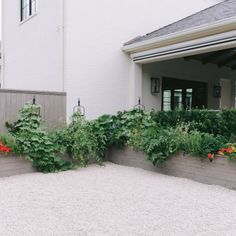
column 211, row 144
column 102, row 129
column 128, row 127
column 84, row 141
column 157, row 134
column 189, row 141
column 197, row 143
column 213, row 122
column 159, row 143
column 61, row 140
column 34, row 142
column 84, row 144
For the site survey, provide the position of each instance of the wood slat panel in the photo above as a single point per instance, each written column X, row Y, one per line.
column 52, row 103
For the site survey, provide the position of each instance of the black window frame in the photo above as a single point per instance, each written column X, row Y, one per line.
column 200, row 91
column 29, row 9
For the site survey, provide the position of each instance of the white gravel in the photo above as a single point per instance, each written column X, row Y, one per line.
column 113, row 200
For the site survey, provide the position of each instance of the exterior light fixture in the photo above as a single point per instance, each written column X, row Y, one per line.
column 155, row 85
column 217, row 91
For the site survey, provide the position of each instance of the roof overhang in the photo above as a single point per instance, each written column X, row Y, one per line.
column 210, row 37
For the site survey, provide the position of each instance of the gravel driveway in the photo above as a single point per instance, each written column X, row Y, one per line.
column 113, row 200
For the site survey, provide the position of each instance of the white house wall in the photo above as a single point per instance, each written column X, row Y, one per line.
column 96, row 69
column 32, row 50
column 186, row 70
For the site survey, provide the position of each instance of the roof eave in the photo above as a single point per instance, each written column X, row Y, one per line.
column 185, row 35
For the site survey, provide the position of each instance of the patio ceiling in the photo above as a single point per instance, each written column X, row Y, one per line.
column 221, row 58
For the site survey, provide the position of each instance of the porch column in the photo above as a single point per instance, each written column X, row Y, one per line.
column 135, row 84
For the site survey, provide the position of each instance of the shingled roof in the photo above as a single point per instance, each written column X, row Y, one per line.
column 220, row 11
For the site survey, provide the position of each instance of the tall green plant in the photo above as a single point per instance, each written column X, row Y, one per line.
column 34, row 142
column 128, row 127
column 159, row 143
column 83, row 141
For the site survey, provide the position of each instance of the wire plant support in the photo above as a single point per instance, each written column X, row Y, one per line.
column 34, row 104
column 79, row 108
column 139, row 106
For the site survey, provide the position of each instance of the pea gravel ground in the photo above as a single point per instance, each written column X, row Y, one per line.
column 113, row 200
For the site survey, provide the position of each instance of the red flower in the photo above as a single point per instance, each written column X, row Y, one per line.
column 4, row 149
column 210, row 156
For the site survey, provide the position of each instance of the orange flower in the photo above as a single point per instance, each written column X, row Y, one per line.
column 229, row 150
column 221, row 153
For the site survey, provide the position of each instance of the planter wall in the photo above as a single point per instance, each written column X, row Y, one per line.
column 219, row 172
column 12, row 165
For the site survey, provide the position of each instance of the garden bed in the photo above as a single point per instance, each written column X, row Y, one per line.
column 14, row 165
column 219, row 172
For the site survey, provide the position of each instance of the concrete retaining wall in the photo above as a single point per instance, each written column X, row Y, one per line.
column 11, row 165
column 219, row 172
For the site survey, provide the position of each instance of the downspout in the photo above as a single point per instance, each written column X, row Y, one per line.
column 63, row 44
column 2, row 47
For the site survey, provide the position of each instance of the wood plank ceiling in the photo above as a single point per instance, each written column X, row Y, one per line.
column 220, row 58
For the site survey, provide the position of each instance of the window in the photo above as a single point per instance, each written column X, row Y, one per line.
column 28, row 8
column 183, row 94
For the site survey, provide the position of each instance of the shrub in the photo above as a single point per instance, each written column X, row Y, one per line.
column 211, row 144
column 102, row 129
column 159, row 143
column 128, row 127
column 84, row 140
column 160, row 138
column 34, row 142
column 190, row 142
column 61, row 140
column 206, row 121
column 83, row 144
column 228, row 123
column 158, row 135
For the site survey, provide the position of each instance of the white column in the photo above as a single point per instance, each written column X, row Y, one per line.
column 135, row 84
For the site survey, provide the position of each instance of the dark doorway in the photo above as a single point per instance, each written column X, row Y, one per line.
column 183, row 94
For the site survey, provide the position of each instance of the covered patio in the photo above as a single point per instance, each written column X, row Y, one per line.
column 188, row 83
column 188, row 64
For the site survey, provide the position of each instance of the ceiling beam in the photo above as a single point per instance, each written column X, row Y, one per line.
column 212, row 56
column 233, row 67
column 190, row 58
column 227, row 60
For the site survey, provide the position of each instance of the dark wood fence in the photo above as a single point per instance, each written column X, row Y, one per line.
column 53, row 106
